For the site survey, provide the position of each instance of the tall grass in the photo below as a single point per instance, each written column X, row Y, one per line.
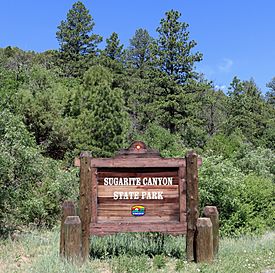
column 134, row 253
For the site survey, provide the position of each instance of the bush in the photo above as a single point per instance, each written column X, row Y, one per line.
column 167, row 144
column 132, row 244
column 31, row 186
column 243, row 200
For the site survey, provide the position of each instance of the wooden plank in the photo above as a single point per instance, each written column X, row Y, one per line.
column 108, row 191
column 192, row 201
column 85, row 201
column 72, row 238
column 68, row 209
column 94, row 195
column 149, row 213
column 138, row 172
column 204, row 241
column 109, row 228
column 127, row 213
column 147, row 169
column 137, row 162
column 150, row 206
column 133, row 182
column 182, row 193
column 110, row 200
column 212, row 213
column 141, row 219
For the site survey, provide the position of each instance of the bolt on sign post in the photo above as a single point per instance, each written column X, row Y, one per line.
column 138, row 191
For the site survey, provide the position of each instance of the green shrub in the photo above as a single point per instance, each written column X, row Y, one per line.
column 150, row 244
column 31, row 186
column 159, row 261
column 224, row 145
column 169, row 145
column 244, row 200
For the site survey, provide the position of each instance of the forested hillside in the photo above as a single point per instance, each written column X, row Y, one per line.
column 86, row 96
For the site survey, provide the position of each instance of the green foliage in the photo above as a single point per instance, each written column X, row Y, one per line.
column 77, row 42
column 37, row 251
column 128, row 264
column 270, row 95
column 42, row 101
column 59, row 103
column 139, row 52
column 162, row 140
column 31, row 186
column 102, row 124
column 174, row 61
column 113, row 49
column 226, row 146
column 172, row 50
column 247, row 111
column 260, row 161
column 159, row 261
column 244, row 200
column 132, row 244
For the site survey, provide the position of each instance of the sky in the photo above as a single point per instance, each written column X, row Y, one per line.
column 236, row 37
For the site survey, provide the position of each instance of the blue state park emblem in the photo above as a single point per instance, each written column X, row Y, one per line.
column 138, row 210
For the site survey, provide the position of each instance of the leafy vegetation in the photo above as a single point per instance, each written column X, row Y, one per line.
column 57, row 103
column 38, row 252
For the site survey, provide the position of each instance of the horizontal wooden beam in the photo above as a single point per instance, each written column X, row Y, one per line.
column 158, row 162
column 111, row 228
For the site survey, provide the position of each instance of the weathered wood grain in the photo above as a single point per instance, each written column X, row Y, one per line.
column 182, row 193
column 212, row 213
column 157, row 202
column 168, row 191
column 110, row 228
column 72, row 236
column 139, row 219
column 192, row 200
column 68, row 209
column 204, row 241
column 137, row 162
column 85, row 201
column 94, row 195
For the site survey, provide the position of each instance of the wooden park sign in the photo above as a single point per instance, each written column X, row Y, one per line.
column 139, row 191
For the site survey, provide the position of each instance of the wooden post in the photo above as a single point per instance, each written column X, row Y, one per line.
column 68, row 209
column 192, row 200
column 72, row 236
column 212, row 213
column 204, row 241
column 85, row 201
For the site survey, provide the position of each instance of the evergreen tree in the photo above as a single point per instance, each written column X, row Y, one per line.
column 112, row 58
column 174, row 64
column 102, row 125
column 77, row 42
column 172, row 49
column 270, row 95
column 139, row 51
column 247, row 111
column 113, row 49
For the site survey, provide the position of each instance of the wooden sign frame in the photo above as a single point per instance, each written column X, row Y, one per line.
column 181, row 215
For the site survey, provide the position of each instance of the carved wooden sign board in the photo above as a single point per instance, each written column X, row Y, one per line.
column 138, row 191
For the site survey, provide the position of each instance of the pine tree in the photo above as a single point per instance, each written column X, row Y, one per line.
column 246, row 111
column 270, row 95
column 103, row 122
column 113, row 49
column 77, row 42
column 174, row 68
column 172, row 49
column 139, row 52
